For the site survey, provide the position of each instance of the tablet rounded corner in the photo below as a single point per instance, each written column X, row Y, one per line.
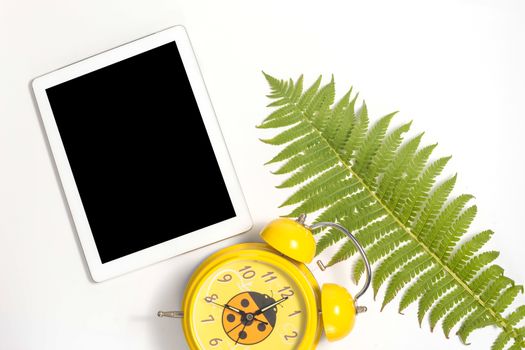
column 36, row 84
column 97, row 277
column 248, row 224
column 181, row 27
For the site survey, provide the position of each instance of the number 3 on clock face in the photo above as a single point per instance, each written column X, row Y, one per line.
column 249, row 297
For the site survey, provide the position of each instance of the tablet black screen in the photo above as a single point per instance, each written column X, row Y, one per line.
column 139, row 152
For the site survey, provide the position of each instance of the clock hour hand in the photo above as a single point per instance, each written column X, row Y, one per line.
column 229, row 307
column 240, row 312
column 266, row 308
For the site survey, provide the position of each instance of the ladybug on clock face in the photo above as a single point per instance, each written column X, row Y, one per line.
column 248, row 324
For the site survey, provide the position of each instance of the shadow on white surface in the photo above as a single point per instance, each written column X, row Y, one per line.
column 168, row 332
column 58, row 182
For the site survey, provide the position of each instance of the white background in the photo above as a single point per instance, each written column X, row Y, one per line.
column 453, row 67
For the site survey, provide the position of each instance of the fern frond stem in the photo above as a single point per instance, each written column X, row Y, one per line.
column 496, row 316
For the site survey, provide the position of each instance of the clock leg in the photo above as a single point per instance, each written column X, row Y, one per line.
column 172, row 314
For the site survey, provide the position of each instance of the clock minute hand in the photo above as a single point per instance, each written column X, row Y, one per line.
column 266, row 308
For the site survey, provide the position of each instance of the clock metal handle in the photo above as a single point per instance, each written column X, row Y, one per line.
column 356, row 243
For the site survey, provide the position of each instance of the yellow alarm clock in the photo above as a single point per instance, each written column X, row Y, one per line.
column 263, row 296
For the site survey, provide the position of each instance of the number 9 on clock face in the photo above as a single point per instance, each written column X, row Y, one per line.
column 250, row 297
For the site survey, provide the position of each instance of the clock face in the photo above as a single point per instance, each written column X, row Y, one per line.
column 250, row 304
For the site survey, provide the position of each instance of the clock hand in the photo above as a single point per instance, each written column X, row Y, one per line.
column 234, row 328
column 266, row 308
column 229, row 307
column 240, row 312
column 234, row 309
column 239, row 337
column 261, row 321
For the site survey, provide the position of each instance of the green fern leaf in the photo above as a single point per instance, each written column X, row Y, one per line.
column 507, row 297
column 343, row 127
column 426, row 281
column 395, row 170
column 403, row 188
column 373, row 140
column 308, row 95
column 392, row 264
column 444, row 222
column 366, row 236
column 467, row 249
column 289, row 135
column 440, row 288
column 444, row 305
column 500, row 342
column 357, row 134
column 516, row 316
column 476, row 320
column 408, row 273
column 296, row 146
column 384, row 246
column 432, row 208
column 338, row 118
column 388, row 193
column 385, row 154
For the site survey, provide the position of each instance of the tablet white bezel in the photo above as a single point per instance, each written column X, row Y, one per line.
column 205, row 236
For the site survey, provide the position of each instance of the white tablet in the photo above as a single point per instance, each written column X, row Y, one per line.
column 140, row 154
